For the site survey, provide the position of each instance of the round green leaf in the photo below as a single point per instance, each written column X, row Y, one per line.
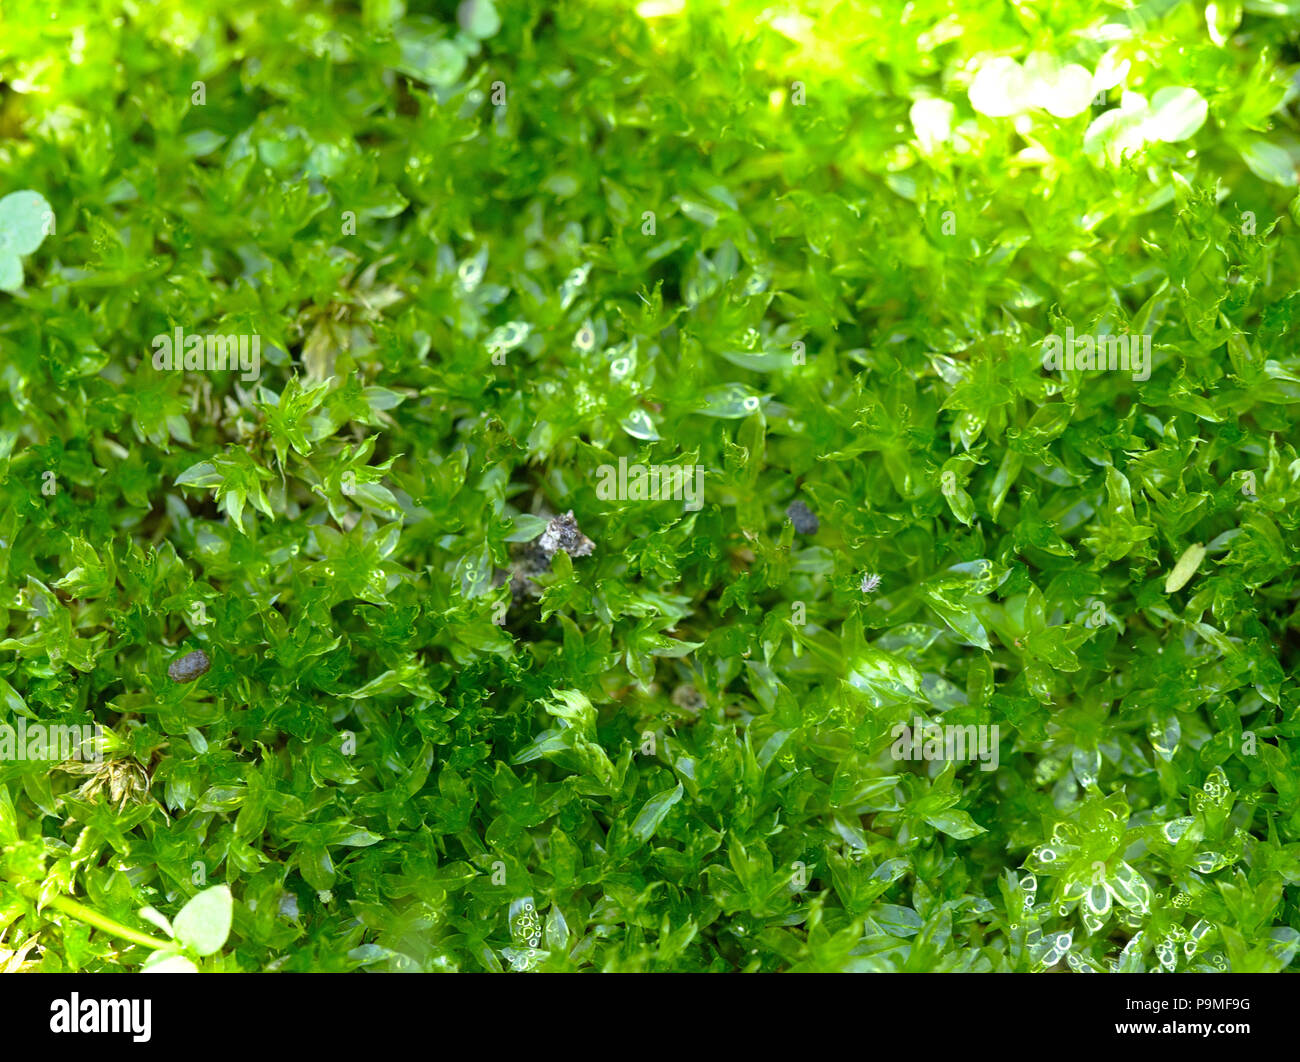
column 479, row 18
column 1176, row 114
column 168, row 962
column 1069, row 93
column 25, row 220
column 11, row 272
column 204, row 923
column 439, row 62
column 1000, row 89
column 1269, row 162
column 1114, row 134
column 932, row 120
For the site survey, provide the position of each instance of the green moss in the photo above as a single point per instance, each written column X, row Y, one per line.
column 496, row 266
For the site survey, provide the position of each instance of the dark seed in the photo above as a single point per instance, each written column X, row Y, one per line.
column 534, row 558
column 562, row 534
column 802, row 518
column 688, row 697
column 189, row 667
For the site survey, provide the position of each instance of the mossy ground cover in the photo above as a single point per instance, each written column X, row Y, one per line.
column 663, row 487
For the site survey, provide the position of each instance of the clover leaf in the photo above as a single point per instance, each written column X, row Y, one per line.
column 25, row 220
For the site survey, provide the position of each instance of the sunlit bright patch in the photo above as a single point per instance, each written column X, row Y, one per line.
column 798, row 28
column 660, row 8
column 1000, row 88
column 932, row 122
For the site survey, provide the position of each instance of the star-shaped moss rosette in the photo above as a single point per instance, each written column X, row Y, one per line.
column 25, row 220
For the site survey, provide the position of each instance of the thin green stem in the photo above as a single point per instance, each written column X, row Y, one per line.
column 94, row 918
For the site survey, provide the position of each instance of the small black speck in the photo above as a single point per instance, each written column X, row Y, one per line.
column 803, row 519
column 189, row 667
